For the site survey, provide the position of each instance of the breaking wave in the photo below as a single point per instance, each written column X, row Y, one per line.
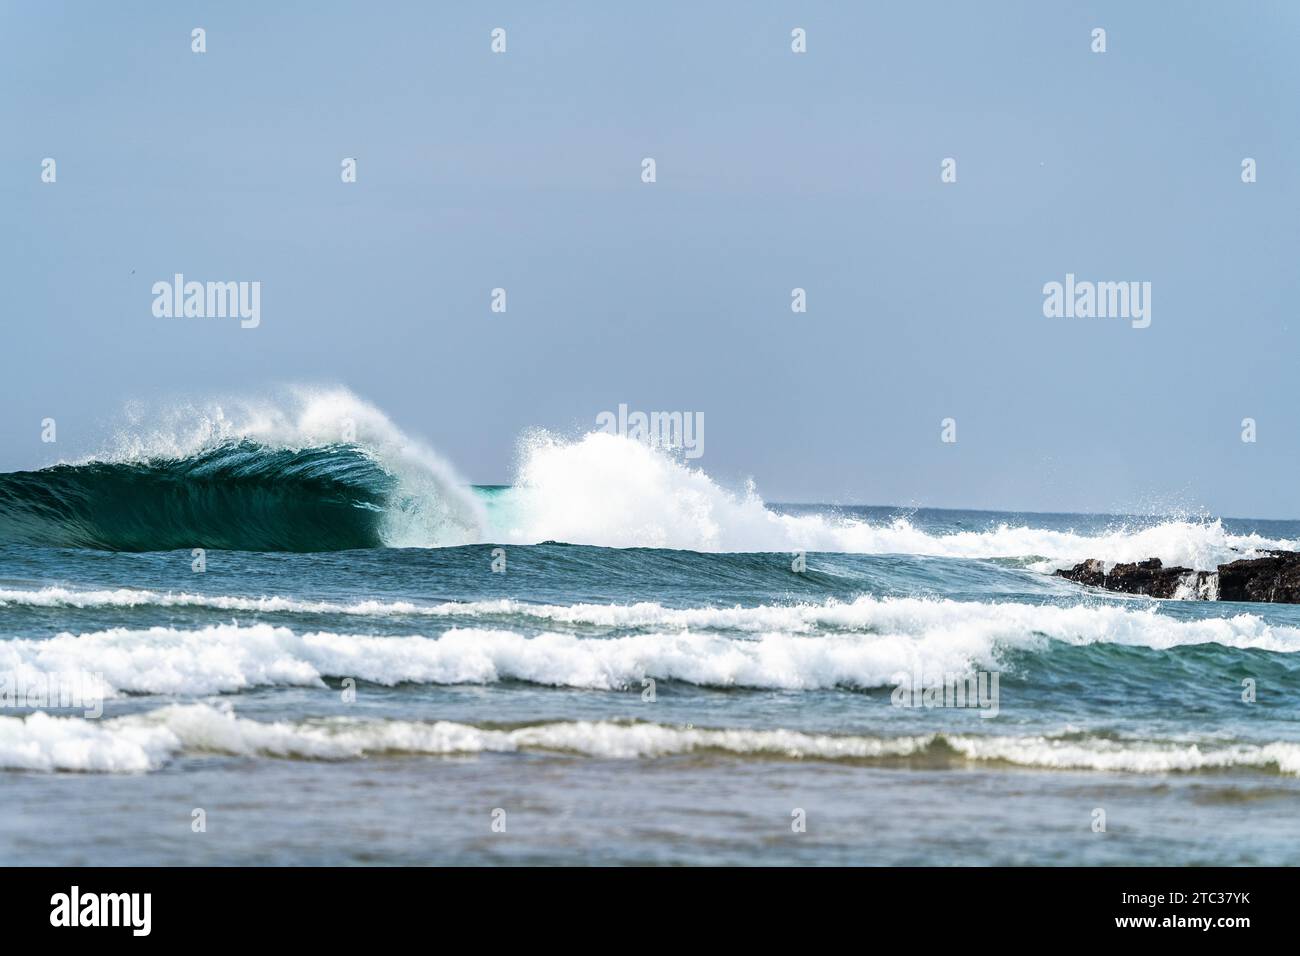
column 867, row 643
column 148, row 741
column 252, row 476
column 611, row 491
column 321, row 470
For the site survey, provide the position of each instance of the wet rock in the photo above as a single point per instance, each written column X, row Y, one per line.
column 1091, row 572
column 1274, row 578
column 1148, row 577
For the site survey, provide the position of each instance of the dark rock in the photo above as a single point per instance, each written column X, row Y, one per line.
column 1149, row 577
column 1274, row 578
column 1092, row 573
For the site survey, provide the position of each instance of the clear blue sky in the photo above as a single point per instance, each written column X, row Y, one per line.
column 775, row 170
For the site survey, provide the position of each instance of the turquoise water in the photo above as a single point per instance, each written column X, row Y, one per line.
column 325, row 695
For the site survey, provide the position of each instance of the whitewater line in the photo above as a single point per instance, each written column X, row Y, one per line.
column 148, row 741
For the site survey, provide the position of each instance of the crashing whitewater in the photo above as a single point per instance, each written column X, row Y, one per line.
column 322, row 470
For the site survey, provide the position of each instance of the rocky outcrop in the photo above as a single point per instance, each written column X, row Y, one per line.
column 1092, row 573
column 1148, row 577
column 1274, row 578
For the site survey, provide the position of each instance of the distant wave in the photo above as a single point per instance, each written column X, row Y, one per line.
column 146, row 742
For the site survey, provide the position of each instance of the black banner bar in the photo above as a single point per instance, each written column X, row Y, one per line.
column 304, row 905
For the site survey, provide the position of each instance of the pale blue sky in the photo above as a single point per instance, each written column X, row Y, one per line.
column 775, row 170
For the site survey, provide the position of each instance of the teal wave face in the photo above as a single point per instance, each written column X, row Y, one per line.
column 235, row 496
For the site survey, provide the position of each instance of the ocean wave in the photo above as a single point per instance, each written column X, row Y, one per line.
column 148, row 741
column 1142, row 625
column 231, row 658
column 320, row 470
column 309, row 471
column 57, row 597
column 867, row 643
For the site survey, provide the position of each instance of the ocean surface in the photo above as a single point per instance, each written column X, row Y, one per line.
column 614, row 660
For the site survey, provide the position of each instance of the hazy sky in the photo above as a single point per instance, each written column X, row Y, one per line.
column 775, row 170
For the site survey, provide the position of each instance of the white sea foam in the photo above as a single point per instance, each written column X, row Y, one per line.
column 866, row 643
column 228, row 658
column 1080, row 623
column 1144, row 625
column 612, row 491
column 1127, row 756
column 147, row 741
column 137, row 597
